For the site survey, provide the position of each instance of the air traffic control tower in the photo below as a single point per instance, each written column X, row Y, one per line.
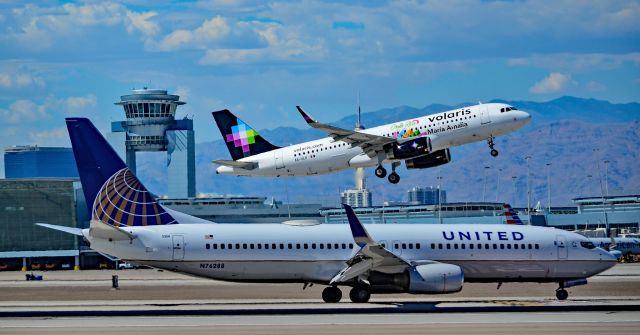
column 151, row 126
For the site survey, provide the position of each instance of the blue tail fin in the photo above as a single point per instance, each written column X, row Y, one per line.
column 113, row 194
column 242, row 140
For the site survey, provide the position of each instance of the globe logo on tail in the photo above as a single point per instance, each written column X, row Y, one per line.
column 124, row 201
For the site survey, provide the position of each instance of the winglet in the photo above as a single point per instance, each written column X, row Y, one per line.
column 360, row 234
column 306, row 116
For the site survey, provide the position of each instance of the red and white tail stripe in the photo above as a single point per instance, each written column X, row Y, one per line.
column 512, row 216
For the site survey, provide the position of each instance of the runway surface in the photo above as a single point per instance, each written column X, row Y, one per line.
column 150, row 301
column 470, row 323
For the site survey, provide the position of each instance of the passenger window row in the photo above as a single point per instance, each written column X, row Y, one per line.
column 404, row 245
column 276, row 246
column 487, row 246
column 321, row 149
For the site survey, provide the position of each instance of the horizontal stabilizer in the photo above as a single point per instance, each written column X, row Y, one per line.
column 68, row 230
column 237, row 164
column 98, row 229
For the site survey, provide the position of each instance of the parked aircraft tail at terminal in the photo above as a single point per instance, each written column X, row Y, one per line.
column 127, row 222
column 511, row 214
column 423, row 142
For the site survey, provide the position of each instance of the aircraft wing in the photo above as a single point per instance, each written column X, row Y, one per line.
column 371, row 256
column 238, row 164
column 368, row 142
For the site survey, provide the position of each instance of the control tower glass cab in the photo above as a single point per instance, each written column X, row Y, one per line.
column 151, row 125
column 149, row 113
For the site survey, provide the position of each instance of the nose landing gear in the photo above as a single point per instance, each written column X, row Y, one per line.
column 562, row 294
column 494, row 152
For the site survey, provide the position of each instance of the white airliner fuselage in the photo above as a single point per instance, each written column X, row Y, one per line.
column 443, row 130
column 284, row 253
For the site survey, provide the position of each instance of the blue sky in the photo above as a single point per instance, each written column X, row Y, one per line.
column 262, row 59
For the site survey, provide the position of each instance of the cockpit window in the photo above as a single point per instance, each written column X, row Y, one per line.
column 507, row 109
column 587, row 244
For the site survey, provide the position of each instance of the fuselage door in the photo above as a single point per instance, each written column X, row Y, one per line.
column 278, row 156
column 561, row 245
column 178, row 247
column 485, row 114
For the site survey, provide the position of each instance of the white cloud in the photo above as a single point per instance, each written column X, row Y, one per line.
column 20, row 80
column 568, row 62
column 84, row 103
column 141, row 22
column 211, row 30
column 594, row 86
column 5, row 80
column 38, row 28
column 56, row 136
column 553, row 83
column 25, row 111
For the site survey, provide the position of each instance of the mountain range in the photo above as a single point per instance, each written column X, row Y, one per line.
column 592, row 147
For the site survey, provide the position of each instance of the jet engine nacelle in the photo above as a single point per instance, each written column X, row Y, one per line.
column 410, row 148
column 431, row 160
column 435, row 278
column 432, row 278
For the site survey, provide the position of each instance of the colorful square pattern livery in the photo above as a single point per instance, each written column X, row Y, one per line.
column 242, row 136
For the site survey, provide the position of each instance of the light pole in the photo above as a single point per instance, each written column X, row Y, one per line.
column 515, row 191
column 439, row 196
column 606, row 178
column 528, row 188
column 604, row 207
column 484, row 185
column 549, row 187
column 498, row 184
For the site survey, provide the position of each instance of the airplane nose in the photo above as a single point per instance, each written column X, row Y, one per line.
column 522, row 117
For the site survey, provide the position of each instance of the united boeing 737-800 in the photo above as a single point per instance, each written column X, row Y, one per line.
column 422, row 142
column 128, row 223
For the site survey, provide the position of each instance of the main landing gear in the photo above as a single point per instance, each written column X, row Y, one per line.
column 494, row 152
column 561, row 293
column 359, row 294
column 393, row 178
column 331, row 294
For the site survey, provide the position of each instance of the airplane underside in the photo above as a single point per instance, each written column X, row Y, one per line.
column 566, row 273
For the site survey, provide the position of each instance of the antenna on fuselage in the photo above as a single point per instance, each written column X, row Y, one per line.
column 359, row 125
column 360, row 178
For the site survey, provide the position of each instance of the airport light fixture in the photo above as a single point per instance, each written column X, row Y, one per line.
column 498, row 184
column 515, row 191
column 484, row 185
column 549, row 187
column 606, row 178
column 528, row 188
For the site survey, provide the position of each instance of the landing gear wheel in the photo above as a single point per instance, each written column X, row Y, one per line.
column 331, row 294
column 394, row 178
column 494, row 152
column 562, row 294
column 359, row 295
column 381, row 172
